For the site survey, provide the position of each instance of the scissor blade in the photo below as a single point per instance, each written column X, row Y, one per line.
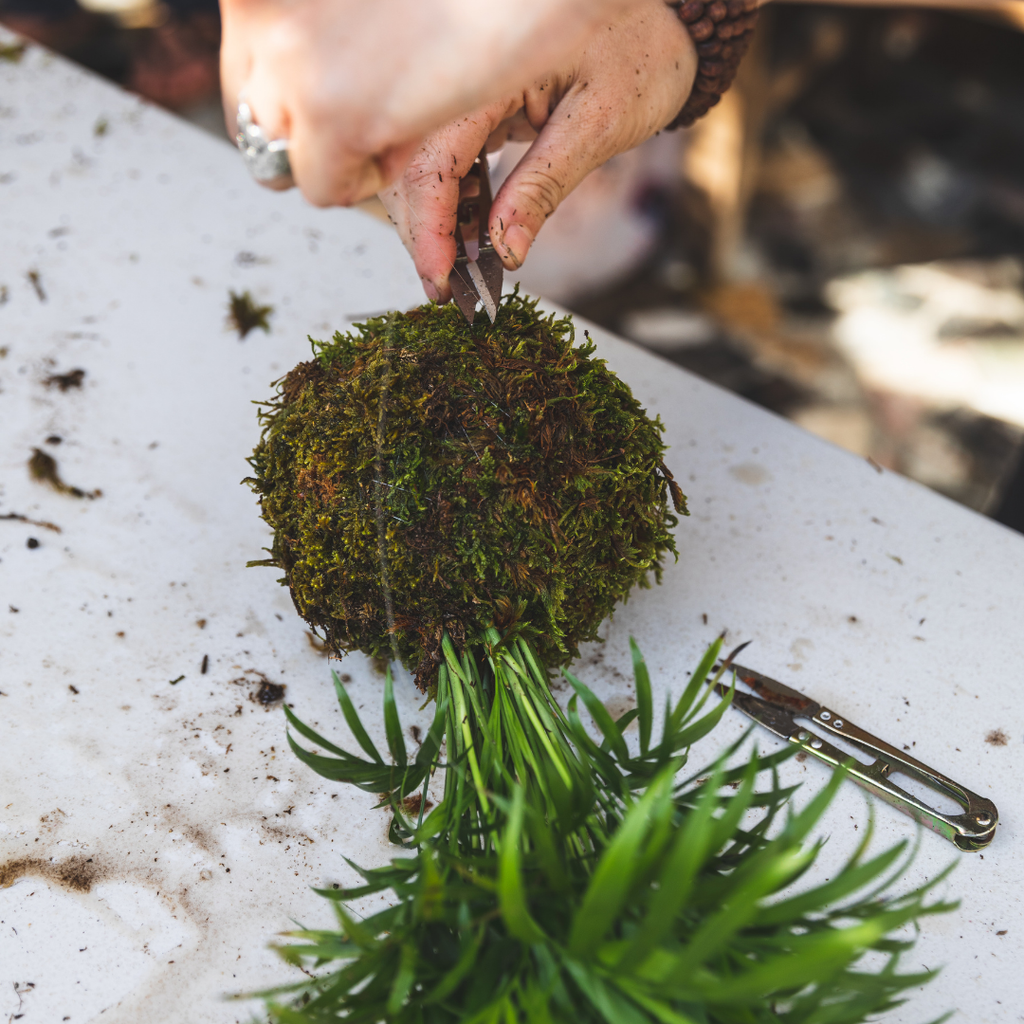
column 773, row 718
column 775, row 692
column 464, row 289
column 487, row 276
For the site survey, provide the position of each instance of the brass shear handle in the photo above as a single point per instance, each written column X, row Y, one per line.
column 781, row 709
column 972, row 830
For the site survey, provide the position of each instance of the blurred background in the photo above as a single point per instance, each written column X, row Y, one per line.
column 841, row 240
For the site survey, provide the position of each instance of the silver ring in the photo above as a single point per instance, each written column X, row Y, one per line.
column 267, row 159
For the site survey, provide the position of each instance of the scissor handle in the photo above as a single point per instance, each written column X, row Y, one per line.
column 972, row 830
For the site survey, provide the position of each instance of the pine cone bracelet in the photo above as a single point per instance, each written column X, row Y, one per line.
column 721, row 31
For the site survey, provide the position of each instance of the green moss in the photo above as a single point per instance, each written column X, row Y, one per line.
column 421, row 474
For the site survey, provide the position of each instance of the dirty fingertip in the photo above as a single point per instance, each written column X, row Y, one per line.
column 516, row 243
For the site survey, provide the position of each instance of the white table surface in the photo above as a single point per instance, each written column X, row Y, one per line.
column 156, row 836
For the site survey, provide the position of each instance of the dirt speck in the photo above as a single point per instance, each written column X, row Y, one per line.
column 245, row 315
column 412, row 804
column 65, row 381
column 267, row 693
column 42, row 467
column 997, row 738
column 77, row 873
column 18, row 518
column 36, row 280
column 802, row 756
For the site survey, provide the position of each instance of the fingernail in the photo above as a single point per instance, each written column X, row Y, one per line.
column 431, row 289
column 517, row 240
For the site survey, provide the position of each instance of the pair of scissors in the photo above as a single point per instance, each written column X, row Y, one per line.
column 790, row 715
column 477, row 275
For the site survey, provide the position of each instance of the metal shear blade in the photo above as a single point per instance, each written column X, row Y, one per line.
column 783, row 710
column 478, row 280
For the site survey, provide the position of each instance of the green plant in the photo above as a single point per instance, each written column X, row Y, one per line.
column 424, row 476
column 562, row 879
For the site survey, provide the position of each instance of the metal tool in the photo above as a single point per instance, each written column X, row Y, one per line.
column 784, row 711
column 480, row 279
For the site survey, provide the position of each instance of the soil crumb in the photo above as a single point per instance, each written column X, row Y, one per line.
column 412, row 804
column 997, row 738
column 244, row 315
column 35, row 279
column 267, row 693
column 65, row 381
column 77, row 873
column 18, row 518
column 43, row 469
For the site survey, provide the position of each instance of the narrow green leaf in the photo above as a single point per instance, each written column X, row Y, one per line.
column 367, row 776
column 852, row 878
column 697, row 680
column 612, row 1005
column 599, row 713
column 312, row 735
column 511, row 889
column 644, row 699
column 451, row 981
column 676, row 879
column 352, row 718
column 404, row 978
column 392, row 725
column 615, row 874
column 431, row 745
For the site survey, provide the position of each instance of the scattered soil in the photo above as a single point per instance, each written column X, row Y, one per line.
column 36, row 281
column 412, row 804
column 65, row 381
column 43, row 469
column 76, row 873
column 997, row 738
column 245, row 315
column 267, row 693
column 18, row 518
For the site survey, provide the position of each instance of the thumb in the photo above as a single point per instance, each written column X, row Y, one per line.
column 570, row 145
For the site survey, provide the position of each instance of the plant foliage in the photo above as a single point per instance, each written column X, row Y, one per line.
column 570, row 879
column 423, row 475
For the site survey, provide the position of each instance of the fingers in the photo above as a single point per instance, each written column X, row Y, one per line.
column 423, row 202
column 629, row 83
column 261, row 58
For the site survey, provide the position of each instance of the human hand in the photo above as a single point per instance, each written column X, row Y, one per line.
column 355, row 86
column 628, row 81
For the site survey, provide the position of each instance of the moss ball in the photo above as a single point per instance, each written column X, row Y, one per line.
column 421, row 475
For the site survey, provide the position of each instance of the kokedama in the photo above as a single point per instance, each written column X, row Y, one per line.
column 424, row 476
column 473, row 501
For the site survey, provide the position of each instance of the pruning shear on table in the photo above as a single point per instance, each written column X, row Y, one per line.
column 790, row 715
column 477, row 275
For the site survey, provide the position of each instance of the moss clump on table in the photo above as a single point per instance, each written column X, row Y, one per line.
column 423, row 475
